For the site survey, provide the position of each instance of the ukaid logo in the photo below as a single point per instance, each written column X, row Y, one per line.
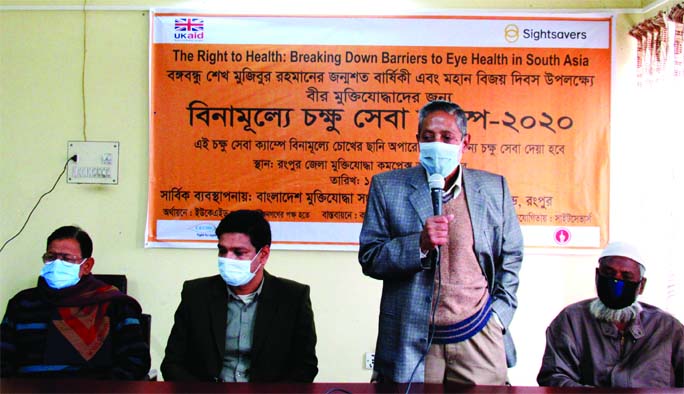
column 188, row 29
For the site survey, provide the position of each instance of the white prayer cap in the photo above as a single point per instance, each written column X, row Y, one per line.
column 623, row 249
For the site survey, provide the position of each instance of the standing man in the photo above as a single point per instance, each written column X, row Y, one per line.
column 72, row 325
column 614, row 340
column 243, row 325
column 455, row 315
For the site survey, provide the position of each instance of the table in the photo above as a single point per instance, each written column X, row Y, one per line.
column 103, row 386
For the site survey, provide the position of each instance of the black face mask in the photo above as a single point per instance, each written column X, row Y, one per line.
column 616, row 293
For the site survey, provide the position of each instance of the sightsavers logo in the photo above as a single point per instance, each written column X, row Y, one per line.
column 512, row 34
column 204, row 230
column 188, row 29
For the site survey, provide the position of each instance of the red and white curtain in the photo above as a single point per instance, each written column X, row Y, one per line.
column 658, row 126
column 660, row 43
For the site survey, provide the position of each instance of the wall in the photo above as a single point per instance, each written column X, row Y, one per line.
column 41, row 109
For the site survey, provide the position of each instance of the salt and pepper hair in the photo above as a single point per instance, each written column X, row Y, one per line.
column 625, row 315
column 448, row 107
column 76, row 233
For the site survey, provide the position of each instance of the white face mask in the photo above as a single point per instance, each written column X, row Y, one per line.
column 440, row 158
column 60, row 274
column 237, row 272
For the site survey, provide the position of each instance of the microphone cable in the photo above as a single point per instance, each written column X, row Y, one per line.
column 74, row 157
column 337, row 390
column 431, row 334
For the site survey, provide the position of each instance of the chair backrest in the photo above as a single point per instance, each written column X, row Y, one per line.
column 146, row 326
column 117, row 280
column 121, row 283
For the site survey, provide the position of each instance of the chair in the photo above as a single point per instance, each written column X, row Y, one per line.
column 121, row 282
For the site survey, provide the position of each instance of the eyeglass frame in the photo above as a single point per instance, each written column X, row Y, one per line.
column 47, row 256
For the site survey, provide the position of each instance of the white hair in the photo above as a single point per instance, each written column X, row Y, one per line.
column 625, row 315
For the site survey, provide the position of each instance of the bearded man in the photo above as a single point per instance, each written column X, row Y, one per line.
column 614, row 340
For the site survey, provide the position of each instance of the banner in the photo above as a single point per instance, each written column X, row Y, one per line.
column 294, row 115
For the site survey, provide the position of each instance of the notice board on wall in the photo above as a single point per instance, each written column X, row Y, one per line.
column 294, row 115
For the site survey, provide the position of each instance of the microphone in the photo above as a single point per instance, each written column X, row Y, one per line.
column 436, row 183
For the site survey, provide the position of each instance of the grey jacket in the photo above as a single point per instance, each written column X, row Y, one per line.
column 398, row 205
column 583, row 351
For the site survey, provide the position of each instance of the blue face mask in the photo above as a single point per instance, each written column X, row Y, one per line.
column 440, row 158
column 237, row 272
column 60, row 274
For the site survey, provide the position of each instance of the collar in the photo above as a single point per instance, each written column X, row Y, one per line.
column 635, row 327
column 456, row 184
column 246, row 298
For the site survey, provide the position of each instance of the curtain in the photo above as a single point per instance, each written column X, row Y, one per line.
column 660, row 40
column 659, row 127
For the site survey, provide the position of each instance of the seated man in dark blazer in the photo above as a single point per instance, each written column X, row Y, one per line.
column 243, row 325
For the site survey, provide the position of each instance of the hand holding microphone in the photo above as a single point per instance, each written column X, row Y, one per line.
column 436, row 184
column 436, row 230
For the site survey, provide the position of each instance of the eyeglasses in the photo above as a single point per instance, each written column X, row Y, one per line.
column 47, row 257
